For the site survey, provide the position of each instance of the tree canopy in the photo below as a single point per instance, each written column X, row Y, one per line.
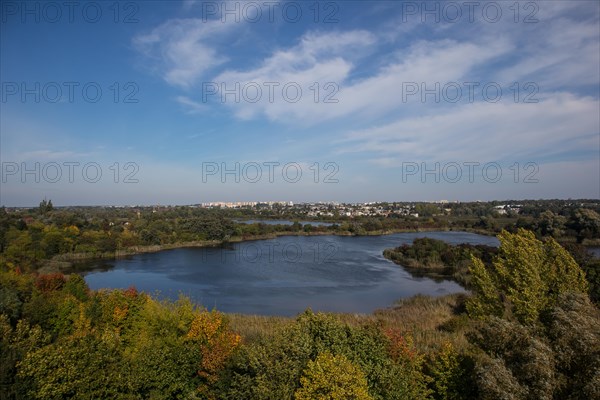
column 525, row 278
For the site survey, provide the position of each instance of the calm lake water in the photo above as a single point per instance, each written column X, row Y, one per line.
column 282, row 276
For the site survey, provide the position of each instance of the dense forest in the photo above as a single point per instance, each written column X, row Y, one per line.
column 527, row 330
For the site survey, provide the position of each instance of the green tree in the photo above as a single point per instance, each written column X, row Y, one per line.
column 77, row 287
column 331, row 377
column 22, row 250
column 74, row 368
column 451, row 374
column 515, row 364
column 10, row 304
column 586, row 223
column 526, row 278
column 15, row 290
column 487, row 300
column 45, row 206
column 551, row 224
column 15, row 344
column 427, row 209
column 573, row 329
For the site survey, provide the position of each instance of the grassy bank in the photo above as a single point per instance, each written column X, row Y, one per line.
column 430, row 321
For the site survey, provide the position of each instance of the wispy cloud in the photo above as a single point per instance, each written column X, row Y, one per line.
column 484, row 132
column 184, row 50
column 191, row 106
column 564, row 54
column 332, row 58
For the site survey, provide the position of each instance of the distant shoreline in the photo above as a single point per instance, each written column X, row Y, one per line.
column 65, row 261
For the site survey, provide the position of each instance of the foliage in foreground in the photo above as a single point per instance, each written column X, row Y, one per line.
column 525, row 279
column 332, row 377
column 538, row 335
column 62, row 341
column 283, row 366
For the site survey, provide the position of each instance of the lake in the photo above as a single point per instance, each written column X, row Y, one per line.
column 282, row 276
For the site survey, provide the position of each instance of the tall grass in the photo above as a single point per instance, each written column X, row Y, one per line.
column 255, row 327
column 430, row 321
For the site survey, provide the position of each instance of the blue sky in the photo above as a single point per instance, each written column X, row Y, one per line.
column 494, row 101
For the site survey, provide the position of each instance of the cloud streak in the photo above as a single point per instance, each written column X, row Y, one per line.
column 184, row 50
column 484, row 132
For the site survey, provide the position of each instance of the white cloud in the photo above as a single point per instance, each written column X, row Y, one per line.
column 559, row 53
column 192, row 107
column 330, row 58
column 184, row 49
column 445, row 61
column 485, row 132
column 321, row 58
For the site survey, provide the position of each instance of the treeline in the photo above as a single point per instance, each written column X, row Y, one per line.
column 528, row 332
column 30, row 237
column 580, row 223
column 27, row 239
column 59, row 340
